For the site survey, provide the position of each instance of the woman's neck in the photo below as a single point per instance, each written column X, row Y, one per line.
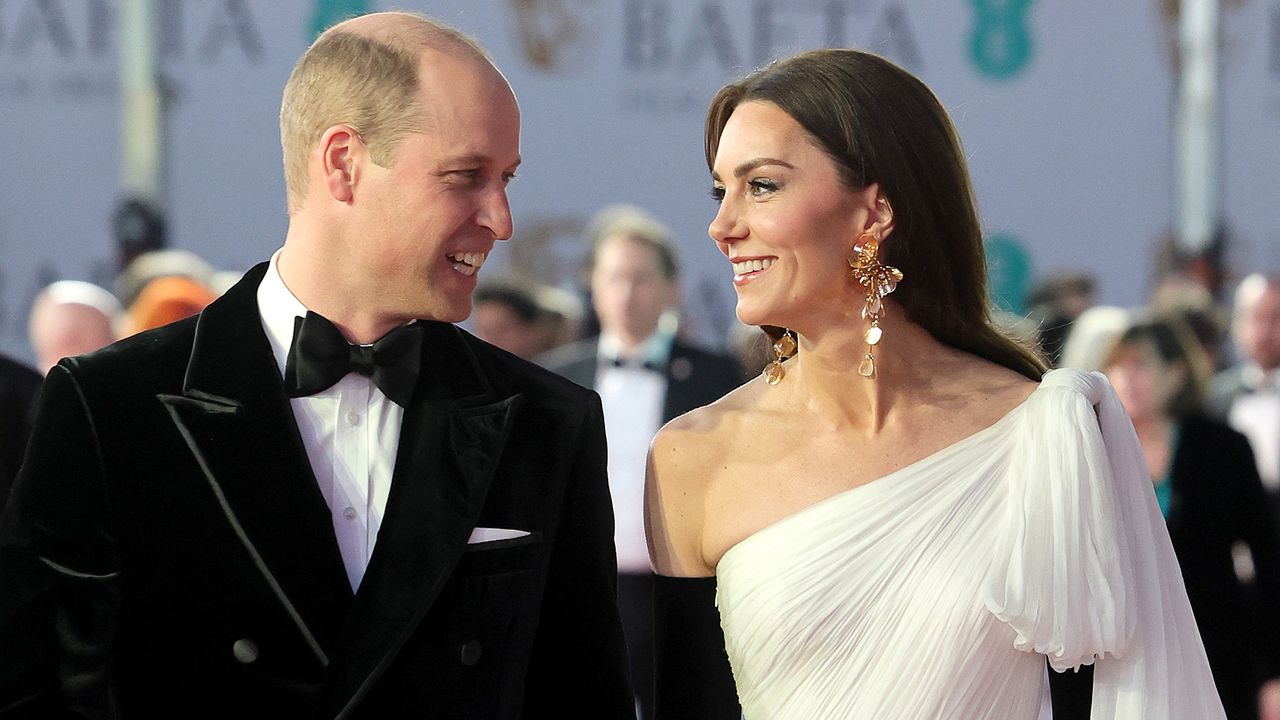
column 824, row 374
column 1157, row 438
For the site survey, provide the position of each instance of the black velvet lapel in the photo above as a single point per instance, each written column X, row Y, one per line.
column 450, row 440
column 236, row 418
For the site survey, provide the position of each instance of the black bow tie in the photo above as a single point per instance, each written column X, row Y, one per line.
column 321, row 356
column 621, row 362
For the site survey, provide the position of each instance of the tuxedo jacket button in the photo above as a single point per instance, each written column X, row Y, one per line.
column 470, row 652
column 245, row 650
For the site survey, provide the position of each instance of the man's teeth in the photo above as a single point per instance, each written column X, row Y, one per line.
column 745, row 266
column 468, row 263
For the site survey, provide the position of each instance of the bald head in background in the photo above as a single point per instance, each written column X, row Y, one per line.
column 1256, row 320
column 70, row 318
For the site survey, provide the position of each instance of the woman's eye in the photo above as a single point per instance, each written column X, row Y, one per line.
column 761, row 187
column 717, row 193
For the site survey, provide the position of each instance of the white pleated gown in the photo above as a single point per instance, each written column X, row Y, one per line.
column 937, row 590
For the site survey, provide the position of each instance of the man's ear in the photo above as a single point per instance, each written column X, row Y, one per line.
column 340, row 150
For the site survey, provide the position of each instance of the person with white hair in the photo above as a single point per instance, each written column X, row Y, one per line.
column 1093, row 333
column 70, row 318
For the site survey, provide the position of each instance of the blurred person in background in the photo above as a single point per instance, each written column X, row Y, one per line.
column 1091, row 336
column 1181, row 295
column 520, row 317
column 19, row 387
column 224, row 280
column 155, row 264
column 1054, row 305
column 645, row 376
column 70, row 318
column 1213, row 502
column 164, row 300
column 1248, row 394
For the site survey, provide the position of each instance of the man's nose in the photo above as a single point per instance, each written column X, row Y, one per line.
column 495, row 214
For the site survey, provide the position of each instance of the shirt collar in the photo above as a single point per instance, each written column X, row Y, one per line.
column 278, row 307
column 1256, row 378
column 655, row 350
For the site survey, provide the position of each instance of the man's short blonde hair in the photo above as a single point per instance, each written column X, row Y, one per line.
column 365, row 79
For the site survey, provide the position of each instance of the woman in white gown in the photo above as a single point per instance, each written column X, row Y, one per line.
column 908, row 515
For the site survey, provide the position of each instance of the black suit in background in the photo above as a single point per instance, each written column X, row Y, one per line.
column 695, row 377
column 19, row 386
column 168, row 554
column 1219, row 501
column 1223, row 391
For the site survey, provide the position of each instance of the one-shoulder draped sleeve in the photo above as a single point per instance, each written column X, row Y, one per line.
column 1084, row 571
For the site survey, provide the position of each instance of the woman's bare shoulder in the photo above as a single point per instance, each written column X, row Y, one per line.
column 688, row 445
column 983, row 387
column 683, row 462
column 1003, row 387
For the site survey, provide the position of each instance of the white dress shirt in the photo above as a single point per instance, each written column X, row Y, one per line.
column 351, row 432
column 1256, row 415
column 632, row 397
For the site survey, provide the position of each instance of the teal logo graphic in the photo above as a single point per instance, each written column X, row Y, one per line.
column 1008, row 273
column 1000, row 44
column 325, row 13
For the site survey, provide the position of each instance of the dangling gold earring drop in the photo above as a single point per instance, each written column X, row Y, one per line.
column 879, row 280
column 783, row 348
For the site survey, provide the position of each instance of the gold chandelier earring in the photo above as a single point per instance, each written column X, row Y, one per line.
column 878, row 280
column 783, row 348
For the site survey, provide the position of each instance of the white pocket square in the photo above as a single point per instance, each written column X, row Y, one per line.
column 484, row 535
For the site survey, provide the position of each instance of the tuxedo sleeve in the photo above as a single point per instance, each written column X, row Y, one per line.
column 579, row 663
column 58, row 567
column 1252, row 519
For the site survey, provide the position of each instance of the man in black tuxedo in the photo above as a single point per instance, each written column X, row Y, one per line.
column 1247, row 396
column 645, row 376
column 241, row 515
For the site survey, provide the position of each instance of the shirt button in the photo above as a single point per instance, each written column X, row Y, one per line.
column 349, row 513
column 353, row 418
